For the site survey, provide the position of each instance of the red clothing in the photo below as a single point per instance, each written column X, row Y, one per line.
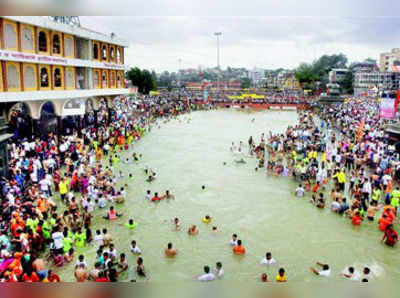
column 383, row 222
column 357, row 220
column 32, row 278
column 391, row 237
column 54, row 278
column 101, row 279
column 155, row 199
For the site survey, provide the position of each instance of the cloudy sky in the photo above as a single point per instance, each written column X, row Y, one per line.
column 266, row 34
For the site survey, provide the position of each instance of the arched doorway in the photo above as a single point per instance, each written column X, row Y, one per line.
column 73, row 115
column 48, row 119
column 20, row 120
column 90, row 113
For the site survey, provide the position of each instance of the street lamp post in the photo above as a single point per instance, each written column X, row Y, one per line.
column 218, row 34
column 179, row 78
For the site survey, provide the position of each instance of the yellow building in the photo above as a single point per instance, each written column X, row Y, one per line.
column 43, row 60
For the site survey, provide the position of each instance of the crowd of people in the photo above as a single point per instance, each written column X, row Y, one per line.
column 344, row 160
column 342, row 157
column 56, row 183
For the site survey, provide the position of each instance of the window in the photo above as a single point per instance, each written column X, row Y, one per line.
column 95, row 51
column 112, row 54
column 119, row 55
column 56, row 44
column 57, row 78
column 70, row 78
column 27, row 39
column 112, row 79
column 104, row 79
column 44, row 78
column 10, row 36
column 104, row 52
column 96, row 79
column 69, row 46
column 1, row 79
column 13, row 83
column 42, row 41
column 119, row 80
column 29, row 77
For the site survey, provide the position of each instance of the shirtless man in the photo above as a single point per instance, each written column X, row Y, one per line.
column 107, row 239
column 168, row 195
column 170, row 251
column 81, row 273
column 40, row 267
column 122, row 264
column 372, row 209
column 193, row 230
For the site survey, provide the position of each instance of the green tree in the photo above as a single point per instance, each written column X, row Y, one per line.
column 347, row 83
column 142, row 79
column 245, row 83
column 135, row 76
column 148, row 84
column 370, row 60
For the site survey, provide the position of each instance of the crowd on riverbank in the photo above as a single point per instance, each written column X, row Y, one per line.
column 56, row 183
column 344, row 159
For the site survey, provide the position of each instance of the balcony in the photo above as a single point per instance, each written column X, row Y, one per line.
column 62, row 94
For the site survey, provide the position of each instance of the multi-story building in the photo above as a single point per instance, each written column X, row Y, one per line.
column 257, row 75
column 56, row 71
column 389, row 61
column 337, row 75
column 374, row 81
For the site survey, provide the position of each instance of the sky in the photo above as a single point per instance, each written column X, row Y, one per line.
column 168, row 35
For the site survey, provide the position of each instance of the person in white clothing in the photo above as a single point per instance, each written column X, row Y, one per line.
column 99, row 238
column 219, row 271
column 207, row 276
column 300, row 191
column 325, row 272
column 134, row 248
column 351, row 274
column 269, row 260
column 234, row 240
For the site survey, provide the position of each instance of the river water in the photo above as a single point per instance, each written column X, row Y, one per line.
column 190, row 152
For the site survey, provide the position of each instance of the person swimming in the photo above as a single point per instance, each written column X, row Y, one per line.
column 193, row 230
column 170, row 251
column 240, row 161
column 168, row 195
column 207, row 219
column 177, row 225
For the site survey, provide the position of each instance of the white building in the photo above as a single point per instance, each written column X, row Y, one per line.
column 373, row 81
column 257, row 75
column 390, row 61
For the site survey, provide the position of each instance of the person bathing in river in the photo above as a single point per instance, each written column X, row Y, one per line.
column 168, row 195
column 170, row 251
column 193, row 230
column 112, row 214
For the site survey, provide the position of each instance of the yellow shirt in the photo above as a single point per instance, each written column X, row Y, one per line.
column 63, row 187
column 341, row 177
column 279, row 278
column 323, row 158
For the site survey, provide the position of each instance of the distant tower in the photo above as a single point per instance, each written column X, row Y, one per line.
column 70, row 20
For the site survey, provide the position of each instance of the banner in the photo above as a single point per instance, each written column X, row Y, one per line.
column 387, row 110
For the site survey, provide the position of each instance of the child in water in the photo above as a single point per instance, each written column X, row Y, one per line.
column 207, row 219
